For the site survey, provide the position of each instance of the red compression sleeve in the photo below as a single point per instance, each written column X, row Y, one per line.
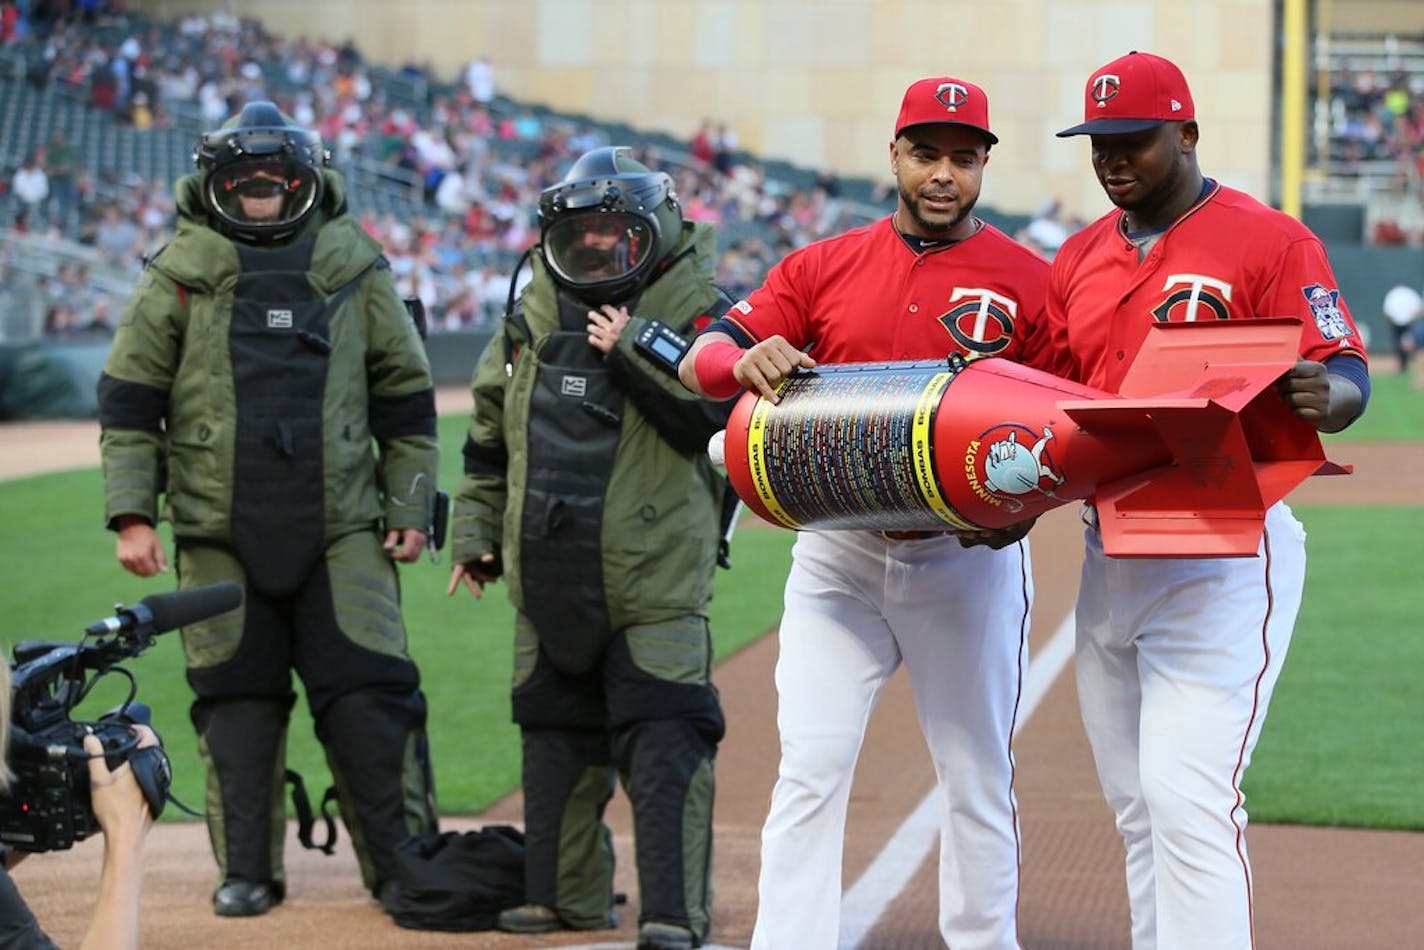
column 713, row 366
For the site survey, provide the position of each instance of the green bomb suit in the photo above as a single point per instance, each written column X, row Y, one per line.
column 588, row 477
column 245, row 389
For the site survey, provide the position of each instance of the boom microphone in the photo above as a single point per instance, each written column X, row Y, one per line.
column 157, row 613
column 181, row 607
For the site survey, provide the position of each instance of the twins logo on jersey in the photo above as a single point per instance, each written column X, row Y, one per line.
column 1012, row 467
column 1325, row 308
column 983, row 321
column 1194, row 294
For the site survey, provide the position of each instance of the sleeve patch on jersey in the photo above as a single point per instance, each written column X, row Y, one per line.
column 742, row 307
column 1325, row 307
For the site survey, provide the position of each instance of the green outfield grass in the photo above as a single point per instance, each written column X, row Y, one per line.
column 1395, row 413
column 1344, row 743
column 60, row 576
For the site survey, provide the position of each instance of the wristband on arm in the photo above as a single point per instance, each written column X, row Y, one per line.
column 1353, row 368
column 713, row 365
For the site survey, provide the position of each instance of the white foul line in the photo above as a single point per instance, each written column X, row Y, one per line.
column 892, row 869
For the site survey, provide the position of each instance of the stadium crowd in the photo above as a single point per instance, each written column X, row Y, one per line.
column 480, row 163
column 1379, row 116
column 478, row 160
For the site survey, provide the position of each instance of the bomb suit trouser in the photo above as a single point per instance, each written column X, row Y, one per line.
column 857, row 606
column 339, row 627
column 1176, row 662
column 645, row 713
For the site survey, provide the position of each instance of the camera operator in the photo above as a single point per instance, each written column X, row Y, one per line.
column 123, row 815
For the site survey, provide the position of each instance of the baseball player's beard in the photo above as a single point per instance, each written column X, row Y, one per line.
column 936, row 227
column 1146, row 205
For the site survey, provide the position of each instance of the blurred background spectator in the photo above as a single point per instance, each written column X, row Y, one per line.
column 446, row 173
column 1403, row 308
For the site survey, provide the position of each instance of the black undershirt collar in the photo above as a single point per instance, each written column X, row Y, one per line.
column 922, row 245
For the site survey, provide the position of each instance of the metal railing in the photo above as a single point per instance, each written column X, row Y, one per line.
column 406, row 187
column 27, row 261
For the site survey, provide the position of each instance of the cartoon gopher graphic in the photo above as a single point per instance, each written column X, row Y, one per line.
column 1012, row 468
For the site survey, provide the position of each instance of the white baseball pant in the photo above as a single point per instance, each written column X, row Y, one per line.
column 1176, row 662
column 856, row 606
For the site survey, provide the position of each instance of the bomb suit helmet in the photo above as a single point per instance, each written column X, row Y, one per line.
column 261, row 174
column 607, row 226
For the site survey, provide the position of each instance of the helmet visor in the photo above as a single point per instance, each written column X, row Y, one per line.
column 590, row 248
column 263, row 192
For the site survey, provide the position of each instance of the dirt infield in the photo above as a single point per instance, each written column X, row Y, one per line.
column 1317, row 889
column 35, row 448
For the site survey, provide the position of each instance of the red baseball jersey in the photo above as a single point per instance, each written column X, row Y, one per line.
column 865, row 296
column 1228, row 258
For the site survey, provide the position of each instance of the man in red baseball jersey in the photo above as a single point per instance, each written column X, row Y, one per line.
column 1177, row 658
column 926, row 282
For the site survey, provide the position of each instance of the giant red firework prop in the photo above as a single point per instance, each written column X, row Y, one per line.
column 1183, row 462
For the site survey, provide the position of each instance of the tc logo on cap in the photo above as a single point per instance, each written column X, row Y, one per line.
column 945, row 100
column 1105, row 89
column 1133, row 93
column 951, row 95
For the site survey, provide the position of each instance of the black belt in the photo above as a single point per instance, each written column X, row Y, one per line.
column 911, row 535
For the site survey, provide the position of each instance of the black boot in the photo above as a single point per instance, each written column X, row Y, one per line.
column 246, row 899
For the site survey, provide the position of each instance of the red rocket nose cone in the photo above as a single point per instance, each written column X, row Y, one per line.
column 1007, row 452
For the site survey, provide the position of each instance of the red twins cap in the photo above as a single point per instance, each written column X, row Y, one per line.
column 944, row 100
column 1134, row 93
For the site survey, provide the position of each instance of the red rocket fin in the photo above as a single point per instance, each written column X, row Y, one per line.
column 1175, row 355
column 1236, row 447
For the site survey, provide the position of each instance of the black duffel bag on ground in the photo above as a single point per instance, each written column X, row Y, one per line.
column 458, row 881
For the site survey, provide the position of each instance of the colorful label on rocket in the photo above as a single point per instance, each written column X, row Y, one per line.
column 756, row 463
column 923, row 454
column 869, row 438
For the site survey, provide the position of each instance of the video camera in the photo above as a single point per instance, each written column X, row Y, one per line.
column 48, row 807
